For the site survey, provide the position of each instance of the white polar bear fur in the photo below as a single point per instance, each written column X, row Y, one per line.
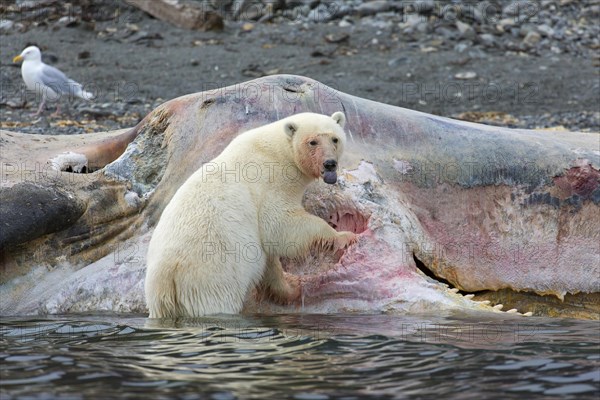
column 224, row 230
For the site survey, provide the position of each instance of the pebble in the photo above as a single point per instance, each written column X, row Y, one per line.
column 545, row 30
column 394, row 62
column 410, row 21
column 6, row 25
column 320, row 14
column 488, row 39
column 555, row 20
column 466, row 75
column 461, row 47
column 541, row 27
column 373, row 7
column 345, row 23
column 68, row 21
column 419, row 6
column 16, row 104
column 465, row 30
column 532, row 38
column 525, row 29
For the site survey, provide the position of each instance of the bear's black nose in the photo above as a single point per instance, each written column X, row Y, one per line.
column 330, row 165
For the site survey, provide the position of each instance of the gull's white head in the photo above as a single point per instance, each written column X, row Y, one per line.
column 31, row 53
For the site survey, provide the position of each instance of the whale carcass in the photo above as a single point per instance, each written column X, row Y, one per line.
column 451, row 214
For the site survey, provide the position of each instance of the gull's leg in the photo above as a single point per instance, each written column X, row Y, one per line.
column 41, row 107
column 57, row 112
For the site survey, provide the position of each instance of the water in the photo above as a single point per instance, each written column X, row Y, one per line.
column 299, row 356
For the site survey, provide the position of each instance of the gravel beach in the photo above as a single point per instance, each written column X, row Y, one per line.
column 526, row 64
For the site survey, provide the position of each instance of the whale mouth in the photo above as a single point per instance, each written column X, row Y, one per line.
column 342, row 215
column 342, row 277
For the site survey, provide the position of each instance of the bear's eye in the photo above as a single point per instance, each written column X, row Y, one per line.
column 313, row 142
column 335, row 140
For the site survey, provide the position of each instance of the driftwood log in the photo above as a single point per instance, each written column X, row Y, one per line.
column 181, row 13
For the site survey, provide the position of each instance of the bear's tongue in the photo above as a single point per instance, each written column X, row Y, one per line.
column 330, row 177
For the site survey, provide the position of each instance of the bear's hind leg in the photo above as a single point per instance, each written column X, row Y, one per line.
column 281, row 287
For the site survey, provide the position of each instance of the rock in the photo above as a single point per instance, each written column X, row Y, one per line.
column 526, row 28
column 240, row 7
column 337, row 37
column 67, row 21
column 373, row 7
column 96, row 111
column 188, row 15
column 449, row 14
column 419, row 6
column 49, row 58
column 340, row 10
column 83, row 55
column 221, row 3
column 486, row 13
column 6, row 25
column 410, row 20
column 300, row 3
column 546, row 30
column 413, row 22
column 466, row 30
column 505, row 24
column 592, row 11
column 143, row 36
column 344, row 23
column 428, row 49
column 446, row 33
column 296, row 13
column 253, row 71
column 488, row 39
column 462, row 47
column 522, row 9
column 532, row 38
column 397, row 61
column 466, row 75
column 379, row 24
column 16, row 104
column 320, row 14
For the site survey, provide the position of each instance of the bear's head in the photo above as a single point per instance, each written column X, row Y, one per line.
column 317, row 143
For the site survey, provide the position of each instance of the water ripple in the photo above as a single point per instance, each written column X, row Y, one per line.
column 302, row 356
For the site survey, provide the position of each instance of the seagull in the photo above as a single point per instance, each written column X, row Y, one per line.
column 46, row 80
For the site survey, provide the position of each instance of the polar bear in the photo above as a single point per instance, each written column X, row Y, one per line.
column 227, row 226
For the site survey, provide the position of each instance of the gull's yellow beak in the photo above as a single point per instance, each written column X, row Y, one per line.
column 17, row 59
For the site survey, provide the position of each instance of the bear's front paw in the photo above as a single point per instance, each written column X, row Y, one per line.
column 343, row 240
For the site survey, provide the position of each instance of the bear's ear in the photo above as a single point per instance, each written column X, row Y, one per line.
column 339, row 118
column 290, row 129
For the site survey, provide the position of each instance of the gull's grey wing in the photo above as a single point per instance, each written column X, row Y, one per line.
column 57, row 80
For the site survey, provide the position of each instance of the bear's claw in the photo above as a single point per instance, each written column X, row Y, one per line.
column 344, row 240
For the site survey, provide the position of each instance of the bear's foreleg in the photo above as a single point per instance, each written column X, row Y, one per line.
column 304, row 230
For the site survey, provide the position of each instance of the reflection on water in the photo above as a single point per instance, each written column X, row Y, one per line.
column 301, row 356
